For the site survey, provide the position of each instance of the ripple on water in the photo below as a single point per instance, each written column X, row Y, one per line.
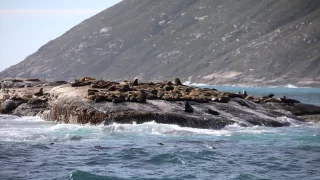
column 156, row 151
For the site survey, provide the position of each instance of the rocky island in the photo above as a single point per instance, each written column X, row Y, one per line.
column 87, row 100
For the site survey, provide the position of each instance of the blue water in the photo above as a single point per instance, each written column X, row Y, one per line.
column 31, row 148
column 305, row 95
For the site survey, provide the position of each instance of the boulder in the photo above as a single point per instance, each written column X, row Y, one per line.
column 8, row 106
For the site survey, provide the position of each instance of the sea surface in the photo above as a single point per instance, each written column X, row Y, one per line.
column 31, row 148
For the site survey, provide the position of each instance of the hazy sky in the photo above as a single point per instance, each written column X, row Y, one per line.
column 26, row 25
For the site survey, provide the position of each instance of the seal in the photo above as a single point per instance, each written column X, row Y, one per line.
column 289, row 101
column 135, row 82
column 39, row 93
column 177, row 82
column 187, row 107
column 245, row 94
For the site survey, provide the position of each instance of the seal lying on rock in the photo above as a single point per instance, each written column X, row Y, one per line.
column 289, row 101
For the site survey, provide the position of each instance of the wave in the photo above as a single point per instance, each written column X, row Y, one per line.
column 83, row 175
column 291, row 86
column 33, row 129
column 189, row 83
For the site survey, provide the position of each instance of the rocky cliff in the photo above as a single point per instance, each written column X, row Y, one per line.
column 247, row 42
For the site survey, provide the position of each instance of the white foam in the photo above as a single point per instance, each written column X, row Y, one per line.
column 189, row 83
column 236, row 128
column 291, row 86
column 162, row 129
column 292, row 122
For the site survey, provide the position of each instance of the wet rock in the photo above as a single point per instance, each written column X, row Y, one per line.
column 210, row 111
column 8, row 106
column 241, row 102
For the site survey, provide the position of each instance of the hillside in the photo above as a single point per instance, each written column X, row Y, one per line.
column 245, row 42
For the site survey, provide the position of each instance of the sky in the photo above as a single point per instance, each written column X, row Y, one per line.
column 26, row 25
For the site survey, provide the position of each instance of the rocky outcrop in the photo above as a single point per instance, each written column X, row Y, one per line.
column 140, row 102
column 244, row 42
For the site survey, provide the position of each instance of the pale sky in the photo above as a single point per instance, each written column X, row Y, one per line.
column 26, row 25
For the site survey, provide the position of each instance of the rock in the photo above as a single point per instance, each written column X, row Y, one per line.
column 16, row 80
column 4, row 96
column 187, row 107
column 71, row 105
column 177, row 82
column 8, row 106
column 210, row 111
column 33, row 80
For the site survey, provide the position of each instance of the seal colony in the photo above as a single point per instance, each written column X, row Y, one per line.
column 87, row 100
column 139, row 92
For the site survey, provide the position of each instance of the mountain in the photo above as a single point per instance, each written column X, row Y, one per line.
column 245, row 42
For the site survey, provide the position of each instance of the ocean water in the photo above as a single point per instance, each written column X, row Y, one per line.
column 305, row 95
column 31, row 148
